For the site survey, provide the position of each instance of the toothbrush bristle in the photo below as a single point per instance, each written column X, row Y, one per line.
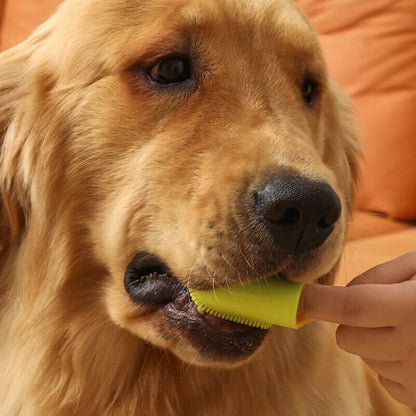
column 226, row 316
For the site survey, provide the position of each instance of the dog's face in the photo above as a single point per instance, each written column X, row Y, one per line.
column 202, row 145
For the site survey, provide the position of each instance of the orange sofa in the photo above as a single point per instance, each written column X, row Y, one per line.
column 370, row 49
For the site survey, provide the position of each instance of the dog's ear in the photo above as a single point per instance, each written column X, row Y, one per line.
column 15, row 77
column 12, row 72
column 342, row 149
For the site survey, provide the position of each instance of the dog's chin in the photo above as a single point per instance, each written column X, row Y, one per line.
column 208, row 340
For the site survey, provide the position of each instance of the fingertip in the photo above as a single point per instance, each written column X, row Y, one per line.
column 311, row 296
column 303, row 300
column 359, row 280
column 394, row 271
column 365, row 277
column 321, row 302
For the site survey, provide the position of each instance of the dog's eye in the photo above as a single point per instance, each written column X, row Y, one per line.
column 171, row 70
column 309, row 90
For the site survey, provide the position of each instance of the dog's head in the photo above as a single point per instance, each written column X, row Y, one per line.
column 186, row 144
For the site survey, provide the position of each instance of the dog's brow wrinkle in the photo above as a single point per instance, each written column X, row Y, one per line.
column 80, row 86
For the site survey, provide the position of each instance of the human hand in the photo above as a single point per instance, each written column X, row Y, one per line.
column 377, row 313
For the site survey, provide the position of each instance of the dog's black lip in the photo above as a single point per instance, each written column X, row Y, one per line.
column 158, row 287
column 148, row 281
column 218, row 345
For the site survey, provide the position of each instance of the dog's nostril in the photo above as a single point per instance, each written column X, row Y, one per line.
column 328, row 220
column 290, row 217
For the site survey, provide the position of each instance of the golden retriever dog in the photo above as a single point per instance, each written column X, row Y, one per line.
column 152, row 146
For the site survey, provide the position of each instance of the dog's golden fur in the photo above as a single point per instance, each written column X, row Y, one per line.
column 97, row 165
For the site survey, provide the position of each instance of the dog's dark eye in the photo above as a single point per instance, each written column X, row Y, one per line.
column 171, row 70
column 309, row 92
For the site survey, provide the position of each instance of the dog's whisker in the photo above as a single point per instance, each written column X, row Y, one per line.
column 162, row 357
column 247, row 262
column 187, row 368
column 208, row 267
column 252, row 263
column 227, row 284
column 162, row 239
column 188, row 280
column 236, row 270
column 226, row 260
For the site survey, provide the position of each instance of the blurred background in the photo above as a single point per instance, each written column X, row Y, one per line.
column 370, row 47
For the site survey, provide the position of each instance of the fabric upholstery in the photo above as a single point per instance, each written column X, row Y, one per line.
column 361, row 255
column 2, row 7
column 21, row 17
column 366, row 224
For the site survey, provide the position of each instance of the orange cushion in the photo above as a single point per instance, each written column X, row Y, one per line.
column 2, row 7
column 21, row 17
column 370, row 49
column 361, row 255
column 367, row 224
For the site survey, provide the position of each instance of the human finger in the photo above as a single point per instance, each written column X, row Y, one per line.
column 371, row 343
column 394, row 271
column 397, row 391
column 370, row 306
column 392, row 370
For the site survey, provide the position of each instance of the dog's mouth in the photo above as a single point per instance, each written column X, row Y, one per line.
column 149, row 282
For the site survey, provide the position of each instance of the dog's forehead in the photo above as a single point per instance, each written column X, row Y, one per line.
column 106, row 35
column 243, row 10
column 243, row 23
column 275, row 18
column 141, row 17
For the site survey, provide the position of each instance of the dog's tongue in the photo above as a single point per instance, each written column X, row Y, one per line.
column 226, row 326
column 220, row 324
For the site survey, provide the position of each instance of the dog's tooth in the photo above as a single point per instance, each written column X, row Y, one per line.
column 200, row 310
column 179, row 304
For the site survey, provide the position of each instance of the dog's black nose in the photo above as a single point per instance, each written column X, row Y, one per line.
column 299, row 213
